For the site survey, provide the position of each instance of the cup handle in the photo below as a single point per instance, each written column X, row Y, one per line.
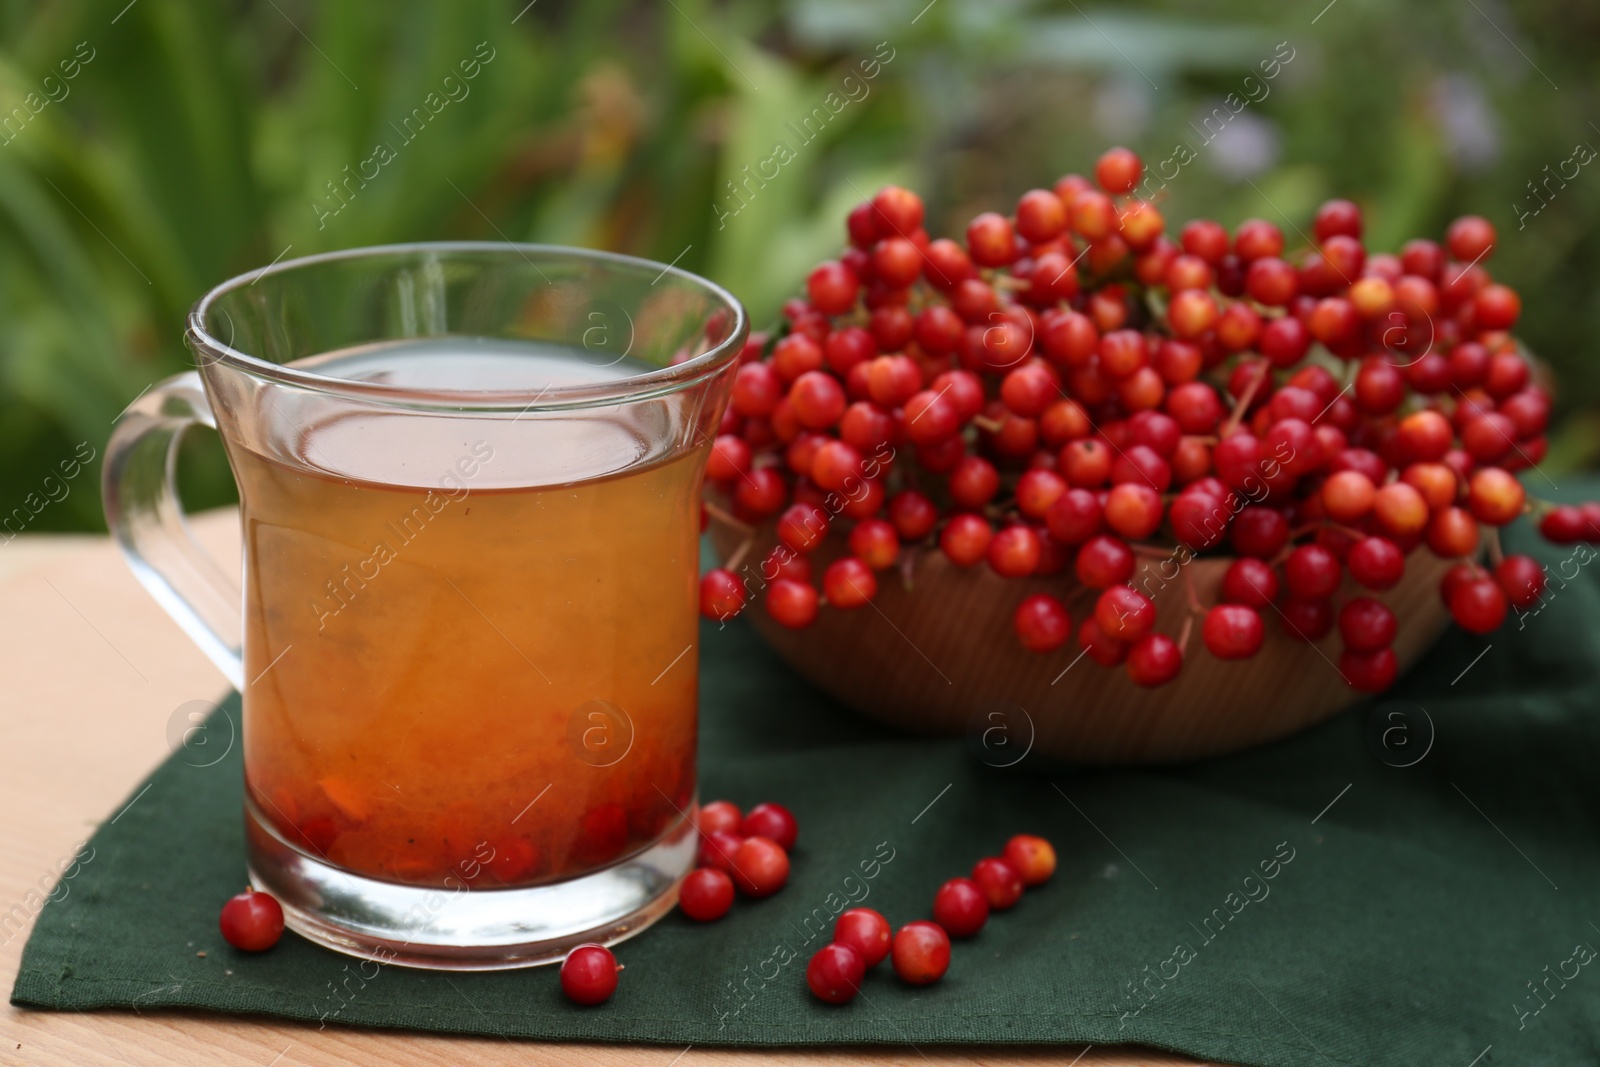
column 140, row 493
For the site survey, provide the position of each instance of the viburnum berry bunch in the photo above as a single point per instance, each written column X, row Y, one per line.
column 1071, row 388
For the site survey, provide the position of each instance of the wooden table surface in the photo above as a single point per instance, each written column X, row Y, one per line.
column 92, row 670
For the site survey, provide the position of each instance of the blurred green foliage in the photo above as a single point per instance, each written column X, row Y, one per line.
column 196, row 140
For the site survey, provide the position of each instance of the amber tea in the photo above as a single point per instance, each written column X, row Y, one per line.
column 472, row 641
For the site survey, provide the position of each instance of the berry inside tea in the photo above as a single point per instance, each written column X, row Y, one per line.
column 471, row 642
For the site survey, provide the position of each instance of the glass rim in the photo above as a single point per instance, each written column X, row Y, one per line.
column 660, row 382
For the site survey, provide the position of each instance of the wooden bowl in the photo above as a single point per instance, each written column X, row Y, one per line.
column 937, row 654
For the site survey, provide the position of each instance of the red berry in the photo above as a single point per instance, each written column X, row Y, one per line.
column 913, row 515
column 846, row 348
column 834, row 973
column 818, row 399
column 898, row 210
column 706, row 894
column 1256, row 238
column 890, row 323
column 1118, row 171
column 1104, row 562
column 1311, row 572
column 1191, row 313
column 1144, row 465
column 862, row 224
column 1074, row 517
column 1563, row 525
column 1028, row 389
column 1528, row 410
column 589, row 974
column 1206, row 239
column 1337, row 218
column 896, row 261
column 1478, row 605
column 892, row 380
column 1000, row 882
column 963, row 389
column 760, row 493
column 1199, row 519
column 251, row 921
column 803, row 526
column 965, row 539
column 1106, row 651
column 1014, row 552
column 1425, row 435
column 1370, row 672
column 1153, row 660
column 756, row 390
column 1309, row 620
column 1092, row 215
column 1259, row 532
column 1400, row 510
column 783, row 562
column 1380, row 387
column 1189, row 272
column 772, row 821
column 1434, row 480
column 1233, row 631
column 1042, row 623
column 866, row 931
column 832, row 288
column 1508, row 373
column 729, row 459
column 960, row 907
column 795, row 355
column 836, row 466
column 1470, row 238
column 722, row 594
column 1033, row 857
column 760, row 867
column 1133, row 509
column 930, row 418
column 991, row 242
column 1041, row 216
column 718, row 848
column 1284, row 341
column 1453, row 532
column 1124, row 613
column 1496, row 307
column 947, row 264
column 1367, row 625
column 719, row 815
column 1494, row 496
column 791, row 603
column 938, row 329
column 1422, row 258
column 974, row 482
column 876, row 542
column 1037, row 491
column 849, row 583
column 1375, row 562
column 1249, row 582
column 1521, row 579
column 921, row 952
column 1086, row 464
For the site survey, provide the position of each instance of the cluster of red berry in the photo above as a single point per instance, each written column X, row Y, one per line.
column 751, row 851
column 920, row 951
column 1072, row 388
column 747, row 850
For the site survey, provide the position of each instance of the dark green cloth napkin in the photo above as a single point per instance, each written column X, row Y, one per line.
column 1309, row 903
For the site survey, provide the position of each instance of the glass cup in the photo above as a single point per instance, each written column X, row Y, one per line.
column 469, row 496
